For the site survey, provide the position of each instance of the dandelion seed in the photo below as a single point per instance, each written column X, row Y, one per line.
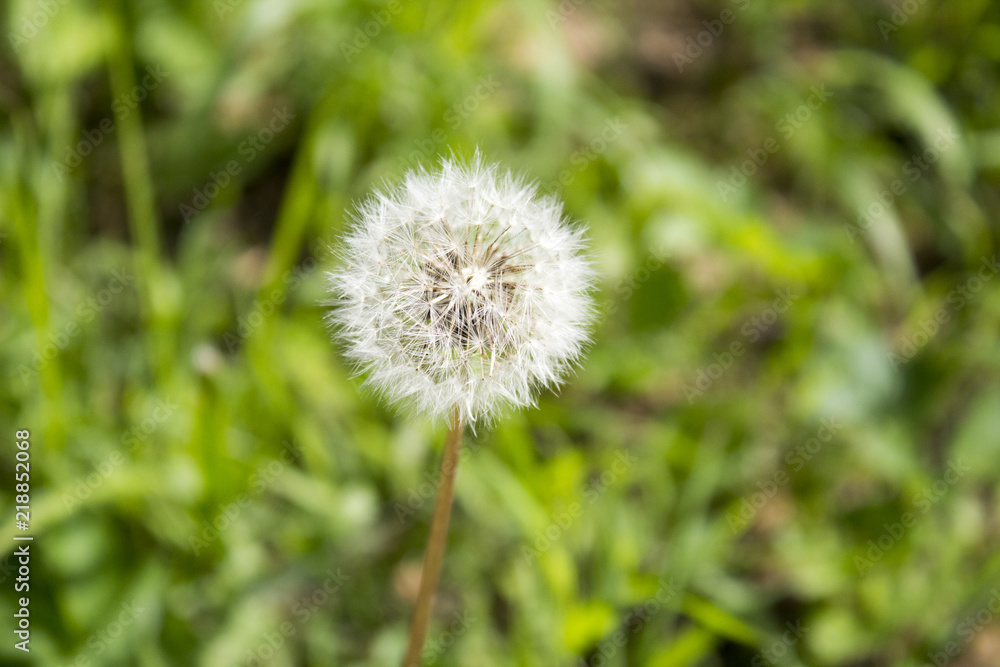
column 464, row 290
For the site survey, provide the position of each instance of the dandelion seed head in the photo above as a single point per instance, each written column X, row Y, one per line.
column 462, row 289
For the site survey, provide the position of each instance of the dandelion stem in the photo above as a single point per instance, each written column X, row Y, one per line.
column 434, row 554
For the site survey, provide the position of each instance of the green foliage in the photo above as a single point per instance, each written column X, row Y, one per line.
column 781, row 449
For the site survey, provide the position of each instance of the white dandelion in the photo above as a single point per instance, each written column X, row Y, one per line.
column 462, row 290
column 461, row 293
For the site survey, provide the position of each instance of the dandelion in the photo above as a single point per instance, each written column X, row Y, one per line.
column 461, row 294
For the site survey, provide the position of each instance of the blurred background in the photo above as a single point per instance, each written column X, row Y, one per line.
column 781, row 449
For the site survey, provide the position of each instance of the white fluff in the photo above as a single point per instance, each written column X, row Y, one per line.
column 462, row 289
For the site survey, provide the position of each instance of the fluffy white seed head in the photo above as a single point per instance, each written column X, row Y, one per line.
column 462, row 289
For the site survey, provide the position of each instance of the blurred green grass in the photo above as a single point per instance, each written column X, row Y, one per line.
column 734, row 477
